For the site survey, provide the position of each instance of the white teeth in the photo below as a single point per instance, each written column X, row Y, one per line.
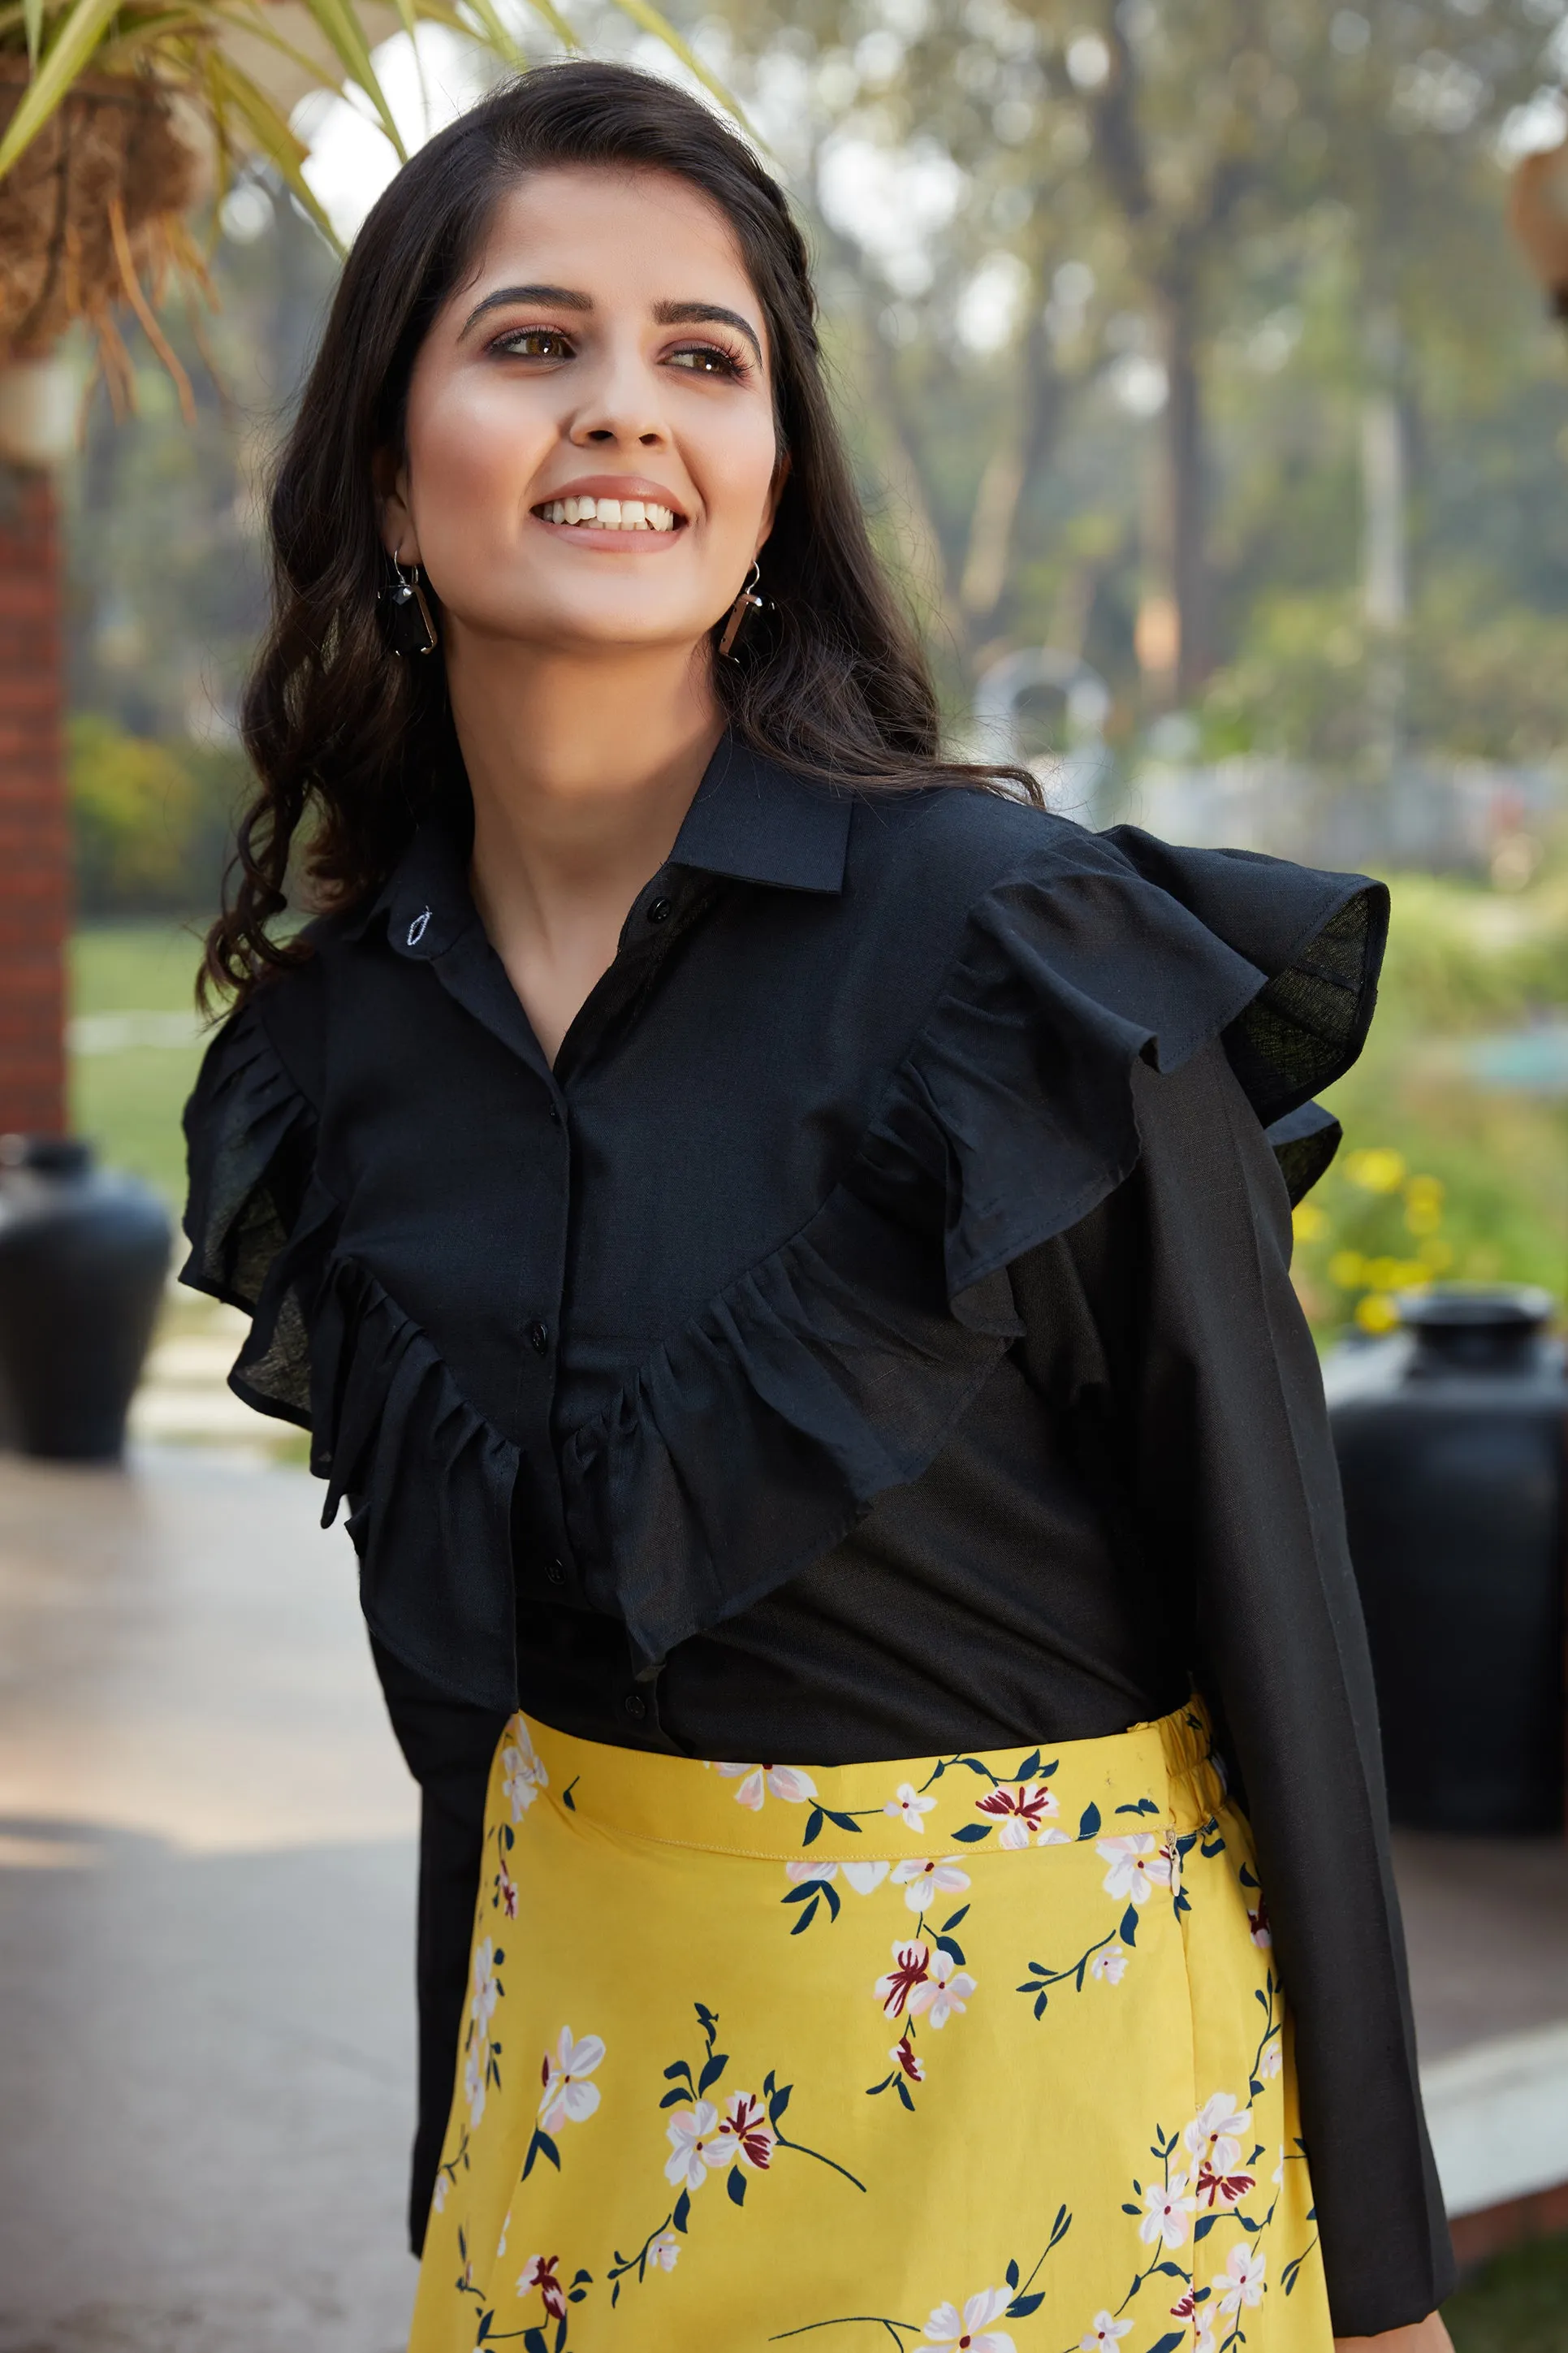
column 610, row 514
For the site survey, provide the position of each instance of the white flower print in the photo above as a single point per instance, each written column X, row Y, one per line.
column 746, row 2132
column 475, row 2065
column 911, row 1806
column 1242, row 2278
column 522, row 1771
column 1022, row 1811
column 922, row 1878
column 1214, row 2133
column 487, row 1985
column 567, row 2098
column 862, row 1876
column 1109, row 1967
column 1272, row 2061
column 785, row 1781
column 439, row 2195
column 944, row 1992
column 1169, row 2207
column 501, row 2248
column 1138, row 1863
column 1186, row 2309
column 698, row 2143
column 1102, row 2335
column 665, row 2250
column 970, row 2328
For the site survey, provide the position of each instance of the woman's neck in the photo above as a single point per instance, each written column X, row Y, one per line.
column 581, row 772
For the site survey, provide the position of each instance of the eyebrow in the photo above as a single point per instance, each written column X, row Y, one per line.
column 562, row 297
column 667, row 314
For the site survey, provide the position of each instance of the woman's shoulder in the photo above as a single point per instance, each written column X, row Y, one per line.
column 275, row 1036
column 963, row 838
column 982, row 858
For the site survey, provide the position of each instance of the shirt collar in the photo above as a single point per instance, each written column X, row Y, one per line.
column 751, row 820
column 758, row 822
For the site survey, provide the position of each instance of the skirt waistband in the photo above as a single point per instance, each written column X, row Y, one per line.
column 1152, row 1777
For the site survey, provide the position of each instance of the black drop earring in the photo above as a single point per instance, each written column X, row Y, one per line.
column 409, row 624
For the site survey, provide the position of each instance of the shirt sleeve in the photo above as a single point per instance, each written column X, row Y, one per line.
column 250, row 1142
column 1225, row 1431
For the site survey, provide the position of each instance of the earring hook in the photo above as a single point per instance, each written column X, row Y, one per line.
column 746, row 603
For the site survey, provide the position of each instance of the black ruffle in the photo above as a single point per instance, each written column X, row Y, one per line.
column 834, row 1368
column 250, row 1139
column 430, row 1481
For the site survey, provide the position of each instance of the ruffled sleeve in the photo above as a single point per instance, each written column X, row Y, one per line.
column 754, row 1437
column 1017, row 1098
column 250, row 1140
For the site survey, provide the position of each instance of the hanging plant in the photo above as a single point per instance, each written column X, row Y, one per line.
column 115, row 118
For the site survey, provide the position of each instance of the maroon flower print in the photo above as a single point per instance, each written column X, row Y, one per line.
column 911, row 1967
column 541, row 2272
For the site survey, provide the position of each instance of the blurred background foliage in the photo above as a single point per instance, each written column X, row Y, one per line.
column 1189, row 342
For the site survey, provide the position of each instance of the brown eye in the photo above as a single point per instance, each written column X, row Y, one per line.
column 706, row 359
column 533, row 343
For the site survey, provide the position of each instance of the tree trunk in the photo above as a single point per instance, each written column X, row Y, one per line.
column 1187, row 495
column 35, row 846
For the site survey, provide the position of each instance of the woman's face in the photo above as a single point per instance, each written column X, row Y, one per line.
column 590, row 458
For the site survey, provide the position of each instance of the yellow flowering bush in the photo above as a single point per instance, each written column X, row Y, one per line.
column 1372, row 1229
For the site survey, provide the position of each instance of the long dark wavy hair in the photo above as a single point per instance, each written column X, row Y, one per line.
column 351, row 745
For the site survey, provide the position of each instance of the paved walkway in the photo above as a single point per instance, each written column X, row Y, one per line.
column 207, row 1869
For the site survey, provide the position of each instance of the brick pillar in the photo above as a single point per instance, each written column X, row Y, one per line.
column 35, row 843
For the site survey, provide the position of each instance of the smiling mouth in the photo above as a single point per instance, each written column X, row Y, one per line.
column 611, row 515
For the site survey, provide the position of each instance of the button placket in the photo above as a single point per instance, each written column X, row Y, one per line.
column 543, row 1551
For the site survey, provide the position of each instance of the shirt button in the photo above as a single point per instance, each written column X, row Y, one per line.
column 555, row 1572
column 661, row 911
column 634, row 1706
column 538, row 1338
column 554, row 1116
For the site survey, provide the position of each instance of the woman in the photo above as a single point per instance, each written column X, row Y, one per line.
column 773, row 1237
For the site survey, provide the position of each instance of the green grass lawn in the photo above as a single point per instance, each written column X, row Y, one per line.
column 1517, row 2303
column 128, row 1102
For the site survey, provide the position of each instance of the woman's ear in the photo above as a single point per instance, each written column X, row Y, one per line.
column 398, row 536
column 770, row 512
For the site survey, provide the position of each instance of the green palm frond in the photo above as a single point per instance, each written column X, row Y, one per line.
column 192, row 50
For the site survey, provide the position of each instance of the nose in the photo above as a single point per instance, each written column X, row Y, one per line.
column 621, row 404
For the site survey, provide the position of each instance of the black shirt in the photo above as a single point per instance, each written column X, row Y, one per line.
column 872, row 1338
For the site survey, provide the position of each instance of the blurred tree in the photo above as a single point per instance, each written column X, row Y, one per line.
column 1091, row 233
column 133, row 811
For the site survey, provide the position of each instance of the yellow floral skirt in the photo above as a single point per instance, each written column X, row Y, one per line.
column 985, row 2052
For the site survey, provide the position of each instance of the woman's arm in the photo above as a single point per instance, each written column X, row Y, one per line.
column 1238, row 1496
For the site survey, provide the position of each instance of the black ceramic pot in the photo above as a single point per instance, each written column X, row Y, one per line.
column 1451, row 1438
column 83, row 1257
